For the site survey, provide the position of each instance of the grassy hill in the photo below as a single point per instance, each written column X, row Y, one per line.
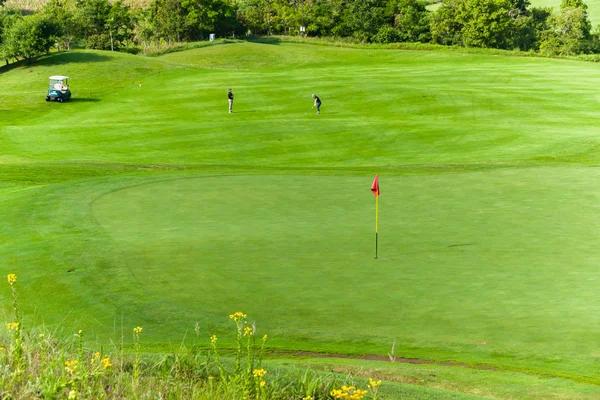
column 143, row 202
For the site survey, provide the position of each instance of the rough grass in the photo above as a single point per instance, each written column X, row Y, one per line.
column 42, row 364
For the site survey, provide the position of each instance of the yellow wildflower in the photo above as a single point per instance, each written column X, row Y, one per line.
column 307, row 398
column 373, row 384
column 41, row 335
column 259, row 373
column 264, row 339
column 13, row 326
column 210, row 378
column 349, row 393
column 213, row 339
column 248, row 331
column 12, row 279
column 95, row 357
column 1, row 348
column 106, row 364
column 137, row 330
column 262, row 383
column 72, row 395
column 237, row 316
column 71, row 366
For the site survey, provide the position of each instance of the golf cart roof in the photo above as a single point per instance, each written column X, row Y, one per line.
column 59, row 77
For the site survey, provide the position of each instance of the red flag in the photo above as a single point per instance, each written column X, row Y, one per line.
column 375, row 186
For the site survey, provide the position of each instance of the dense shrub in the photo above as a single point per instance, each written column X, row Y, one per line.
column 387, row 34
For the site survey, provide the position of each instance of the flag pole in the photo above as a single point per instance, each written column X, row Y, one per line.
column 376, row 226
column 376, row 192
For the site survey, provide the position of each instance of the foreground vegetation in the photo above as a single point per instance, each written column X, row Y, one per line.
column 42, row 365
column 45, row 367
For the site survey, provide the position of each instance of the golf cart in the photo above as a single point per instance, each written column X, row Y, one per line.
column 58, row 89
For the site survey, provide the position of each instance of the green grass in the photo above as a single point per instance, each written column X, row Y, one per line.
column 169, row 211
column 475, row 382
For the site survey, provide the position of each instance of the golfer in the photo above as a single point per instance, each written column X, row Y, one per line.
column 317, row 103
column 230, row 99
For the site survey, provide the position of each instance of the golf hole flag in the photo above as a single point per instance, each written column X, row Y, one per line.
column 376, row 192
column 375, row 186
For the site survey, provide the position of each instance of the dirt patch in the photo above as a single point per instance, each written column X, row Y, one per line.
column 373, row 357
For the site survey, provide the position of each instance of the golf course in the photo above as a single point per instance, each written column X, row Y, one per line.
column 143, row 202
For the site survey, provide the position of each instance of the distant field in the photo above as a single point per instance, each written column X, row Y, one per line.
column 144, row 202
column 38, row 4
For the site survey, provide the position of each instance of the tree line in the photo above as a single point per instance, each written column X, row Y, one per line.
column 114, row 25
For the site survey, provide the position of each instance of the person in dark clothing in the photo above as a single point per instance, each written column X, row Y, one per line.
column 317, row 103
column 230, row 99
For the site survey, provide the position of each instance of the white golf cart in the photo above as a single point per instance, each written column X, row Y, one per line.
column 58, row 89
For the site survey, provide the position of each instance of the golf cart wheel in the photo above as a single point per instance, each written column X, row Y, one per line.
column 47, row 98
column 60, row 99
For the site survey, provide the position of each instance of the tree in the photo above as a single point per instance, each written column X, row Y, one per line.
column 103, row 24
column 487, row 23
column 362, row 19
column 573, row 4
column 202, row 17
column 476, row 23
column 323, row 16
column 387, row 34
column 257, row 15
column 446, row 26
column 93, row 17
column 529, row 27
column 167, row 16
column 143, row 31
column 31, row 36
column 8, row 17
column 179, row 20
column 120, row 24
column 569, row 31
column 64, row 12
column 411, row 19
column 228, row 23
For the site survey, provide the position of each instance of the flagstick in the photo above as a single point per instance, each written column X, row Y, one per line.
column 376, row 225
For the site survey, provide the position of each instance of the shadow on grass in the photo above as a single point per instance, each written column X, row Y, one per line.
column 72, row 57
column 83, row 100
column 438, row 249
column 57, row 59
column 265, row 40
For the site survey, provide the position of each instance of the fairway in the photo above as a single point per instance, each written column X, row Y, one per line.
column 144, row 202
